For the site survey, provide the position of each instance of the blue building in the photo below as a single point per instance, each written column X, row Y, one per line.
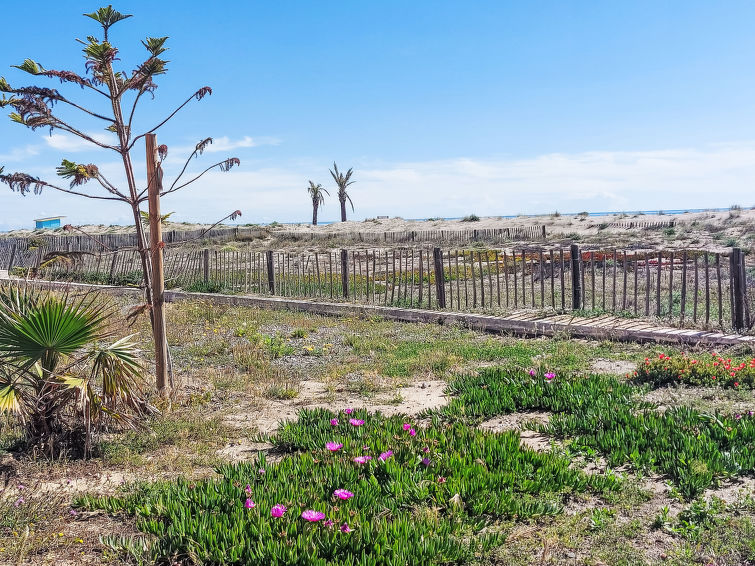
column 48, row 223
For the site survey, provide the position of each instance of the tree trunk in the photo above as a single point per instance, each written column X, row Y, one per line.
column 314, row 214
column 343, row 210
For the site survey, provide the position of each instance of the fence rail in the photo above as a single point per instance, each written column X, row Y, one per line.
column 690, row 287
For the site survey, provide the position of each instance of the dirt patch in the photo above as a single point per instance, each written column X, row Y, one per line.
column 516, row 421
column 735, row 491
column 410, row 400
column 612, row 367
column 520, row 422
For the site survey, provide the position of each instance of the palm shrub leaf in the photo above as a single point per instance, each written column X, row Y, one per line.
column 56, row 361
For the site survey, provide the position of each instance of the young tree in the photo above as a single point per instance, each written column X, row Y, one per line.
column 120, row 92
column 343, row 181
column 318, row 199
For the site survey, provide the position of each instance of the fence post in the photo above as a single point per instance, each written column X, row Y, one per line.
column 737, row 274
column 270, row 271
column 440, row 287
column 345, row 273
column 543, row 231
column 576, row 279
column 112, row 267
column 12, row 258
column 206, row 265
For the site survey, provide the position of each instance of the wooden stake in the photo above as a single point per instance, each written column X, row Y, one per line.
column 154, row 178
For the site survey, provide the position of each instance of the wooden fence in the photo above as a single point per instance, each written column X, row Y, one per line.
column 25, row 250
column 644, row 224
column 98, row 243
column 461, row 237
column 691, row 287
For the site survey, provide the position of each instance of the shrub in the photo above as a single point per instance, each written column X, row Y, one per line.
column 709, row 370
column 471, row 218
column 55, row 363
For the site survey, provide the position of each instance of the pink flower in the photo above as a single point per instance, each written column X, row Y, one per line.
column 249, row 504
column 362, row 459
column 343, row 494
column 425, row 462
column 365, row 447
column 356, row 422
column 345, row 528
column 426, row 449
column 261, row 471
column 737, row 416
column 328, row 523
column 407, row 426
column 385, row 455
column 412, row 432
column 312, row 516
column 248, row 489
column 550, row 375
column 333, row 446
column 532, row 373
column 277, row 511
column 333, row 422
column 348, row 411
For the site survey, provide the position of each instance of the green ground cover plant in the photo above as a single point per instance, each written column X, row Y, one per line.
column 357, row 488
column 603, row 413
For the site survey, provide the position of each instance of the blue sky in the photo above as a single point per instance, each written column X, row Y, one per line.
column 442, row 108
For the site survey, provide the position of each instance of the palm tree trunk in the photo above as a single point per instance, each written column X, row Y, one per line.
column 314, row 214
column 343, row 210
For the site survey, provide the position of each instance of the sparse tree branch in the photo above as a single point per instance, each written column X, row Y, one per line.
column 198, row 150
column 71, row 227
column 199, row 95
column 225, row 165
column 59, row 124
column 24, row 183
column 94, row 114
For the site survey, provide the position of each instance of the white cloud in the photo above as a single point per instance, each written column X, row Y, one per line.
column 71, row 143
column 224, row 144
column 713, row 176
column 19, row 154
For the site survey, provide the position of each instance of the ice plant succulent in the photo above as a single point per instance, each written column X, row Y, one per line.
column 333, row 446
column 278, row 511
column 362, row 459
column 333, row 422
column 356, row 422
column 312, row 516
column 385, row 455
column 343, row 494
column 249, row 504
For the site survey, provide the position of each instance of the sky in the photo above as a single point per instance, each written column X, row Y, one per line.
column 442, row 108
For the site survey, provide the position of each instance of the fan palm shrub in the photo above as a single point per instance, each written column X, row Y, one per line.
column 61, row 375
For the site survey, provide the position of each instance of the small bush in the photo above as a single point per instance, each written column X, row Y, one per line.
column 711, row 370
column 471, row 218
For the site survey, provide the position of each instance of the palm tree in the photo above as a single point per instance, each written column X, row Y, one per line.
column 316, row 192
column 342, row 180
column 55, row 364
